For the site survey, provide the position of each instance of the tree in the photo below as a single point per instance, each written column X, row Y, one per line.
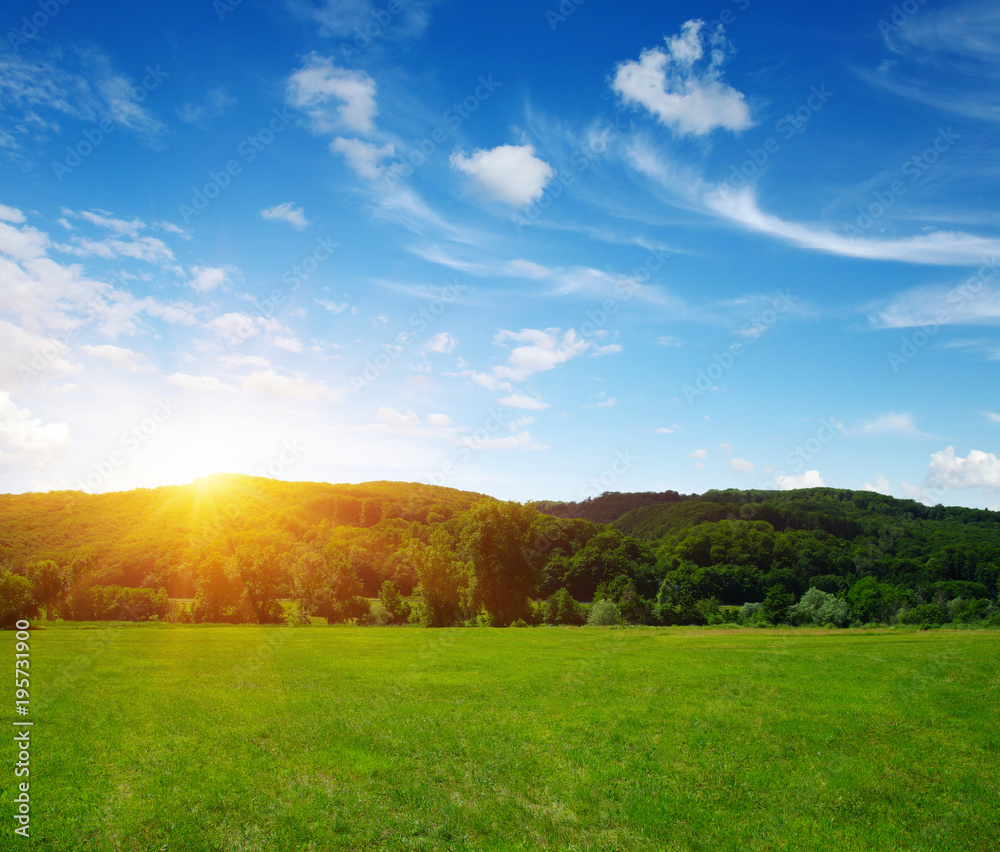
column 776, row 604
column 441, row 580
column 497, row 540
column 215, row 595
column 325, row 584
column 392, row 602
column 257, row 571
column 560, row 608
column 16, row 601
column 818, row 607
column 47, row 584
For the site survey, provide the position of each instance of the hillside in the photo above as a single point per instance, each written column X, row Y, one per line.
column 735, row 545
column 163, row 536
column 239, row 544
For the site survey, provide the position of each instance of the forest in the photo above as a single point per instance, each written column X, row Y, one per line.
column 240, row 549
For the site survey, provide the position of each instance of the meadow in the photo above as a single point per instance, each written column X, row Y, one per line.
column 168, row 737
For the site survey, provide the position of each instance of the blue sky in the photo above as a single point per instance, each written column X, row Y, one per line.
column 539, row 250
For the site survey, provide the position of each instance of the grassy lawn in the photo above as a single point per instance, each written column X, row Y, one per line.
column 245, row 738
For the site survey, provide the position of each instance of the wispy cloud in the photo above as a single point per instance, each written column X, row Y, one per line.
column 333, row 98
column 286, row 212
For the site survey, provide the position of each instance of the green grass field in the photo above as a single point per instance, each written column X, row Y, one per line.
column 243, row 738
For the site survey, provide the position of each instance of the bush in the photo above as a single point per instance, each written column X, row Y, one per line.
column 356, row 609
column 818, row 607
column 748, row 611
column 604, row 613
column 923, row 614
column 397, row 610
column 560, row 608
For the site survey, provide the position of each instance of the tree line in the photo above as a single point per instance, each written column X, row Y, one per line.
column 250, row 550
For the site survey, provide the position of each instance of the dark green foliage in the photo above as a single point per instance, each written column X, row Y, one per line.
column 239, row 545
column 118, row 603
column 608, row 555
column 560, row 608
column 442, row 580
column 777, row 602
column 608, row 506
column 497, row 539
column 392, row 602
column 16, row 600
column 354, row 609
column 927, row 613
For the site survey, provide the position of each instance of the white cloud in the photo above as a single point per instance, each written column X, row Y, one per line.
column 333, row 307
column 668, row 340
column 684, row 93
column 286, row 212
column 663, row 430
column 119, row 357
column 103, row 219
column 364, row 158
column 27, row 358
column 508, row 173
column 410, row 424
column 608, row 349
column 520, row 400
column 245, row 361
column 976, row 470
column 11, row 214
column 725, row 447
column 933, row 306
column 205, row 278
column 236, row 327
column 272, row 384
column 443, row 343
column 892, row 424
column 147, row 248
column 741, row 465
column 289, row 344
column 992, row 415
column 197, row 383
column 945, row 248
column 542, row 350
column 809, row 479
column 180, row 313
column 318, row 81
column 27, row 442
column 881, row 485
column 75, row 81
column 698, row 454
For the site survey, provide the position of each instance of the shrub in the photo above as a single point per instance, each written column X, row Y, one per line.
column 560, row 608
column 397, row 610
column 604, row 613
column 818, row 607
column 923, row 614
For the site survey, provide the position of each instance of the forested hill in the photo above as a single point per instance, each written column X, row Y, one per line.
column 162, row 537
column 734, row 545
column 238, row 545
column 609, row 506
